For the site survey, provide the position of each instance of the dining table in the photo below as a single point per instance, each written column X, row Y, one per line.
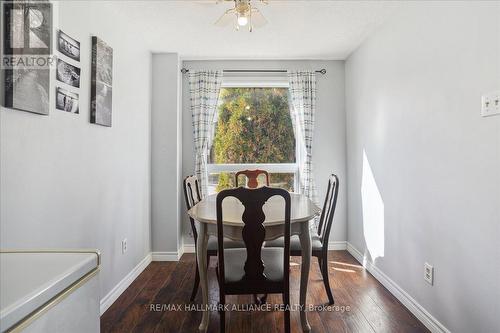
column 303, row 210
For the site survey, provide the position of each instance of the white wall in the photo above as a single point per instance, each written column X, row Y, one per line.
column 166, row 155
column 329, row 136
column 429, row 187
column 66, row 183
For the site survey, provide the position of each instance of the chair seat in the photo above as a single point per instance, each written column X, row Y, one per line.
column 295, row 243
column 234, row 262
column 228, row 244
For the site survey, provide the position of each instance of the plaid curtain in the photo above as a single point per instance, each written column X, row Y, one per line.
column 303, row 99
column 204, row 88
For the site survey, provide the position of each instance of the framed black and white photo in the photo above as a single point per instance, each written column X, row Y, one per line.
column 27, row 90
column 68, row 46
column 27, row 55
column 67, row 101
column 27, row 27
column 101, row 83
column 68, row 73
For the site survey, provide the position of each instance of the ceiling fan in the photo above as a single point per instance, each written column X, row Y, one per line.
column 243, row 14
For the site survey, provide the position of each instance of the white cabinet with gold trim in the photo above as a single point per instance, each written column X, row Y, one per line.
column 49, row 291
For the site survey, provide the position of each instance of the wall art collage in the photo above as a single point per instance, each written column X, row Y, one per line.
column 27, row 60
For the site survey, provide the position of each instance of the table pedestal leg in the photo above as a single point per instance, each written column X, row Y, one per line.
column 201, row 253
column 305, row 243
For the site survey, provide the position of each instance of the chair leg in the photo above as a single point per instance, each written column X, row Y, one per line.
column 222, row 314
column 196, row 283
column 286, row 301
column 326, row 281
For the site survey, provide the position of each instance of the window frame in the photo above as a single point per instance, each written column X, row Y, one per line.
column 259, row 82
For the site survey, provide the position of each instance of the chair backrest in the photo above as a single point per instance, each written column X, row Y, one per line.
column 252, row 176
column 192, row 195
column 253, row 233
column 326, row 218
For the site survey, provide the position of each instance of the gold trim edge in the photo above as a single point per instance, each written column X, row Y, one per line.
column 26, row 321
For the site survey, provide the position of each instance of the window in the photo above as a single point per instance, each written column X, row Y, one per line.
column 253, row 130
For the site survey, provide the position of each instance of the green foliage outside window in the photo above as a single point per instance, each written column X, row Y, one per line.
column 254, row 126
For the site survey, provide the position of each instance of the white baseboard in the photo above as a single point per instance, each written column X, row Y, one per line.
column 409, row 302
column 111, row 297
column 189, row 248
column 167, row 256
column 337, row 245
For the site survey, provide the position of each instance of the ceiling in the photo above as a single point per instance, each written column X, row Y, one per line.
column 296, row 29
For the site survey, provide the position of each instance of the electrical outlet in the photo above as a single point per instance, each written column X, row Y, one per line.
column 490, row 104
column 429, row 273
column 124, row 246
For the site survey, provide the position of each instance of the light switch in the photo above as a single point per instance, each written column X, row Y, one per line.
column 490, row 104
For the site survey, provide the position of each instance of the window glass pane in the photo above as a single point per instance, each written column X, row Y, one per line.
column 224, row 180
column 283, row 180
column 220, row 181
column 253, row 126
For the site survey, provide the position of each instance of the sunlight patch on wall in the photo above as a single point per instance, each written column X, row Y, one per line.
column 373, row 212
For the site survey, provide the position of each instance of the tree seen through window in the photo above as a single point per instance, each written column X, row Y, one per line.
column 253, row 126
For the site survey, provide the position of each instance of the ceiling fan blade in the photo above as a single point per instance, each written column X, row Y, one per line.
column 258, row 20
column 226, row 19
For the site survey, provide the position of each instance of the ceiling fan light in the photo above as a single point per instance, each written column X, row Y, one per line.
column 242, row 21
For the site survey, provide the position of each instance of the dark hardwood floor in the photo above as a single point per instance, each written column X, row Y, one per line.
column 371, row 307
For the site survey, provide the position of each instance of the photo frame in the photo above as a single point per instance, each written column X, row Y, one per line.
column 101, row 83
column 68, row 73
column 27, row 55
column 68, row 46
column 67, row 101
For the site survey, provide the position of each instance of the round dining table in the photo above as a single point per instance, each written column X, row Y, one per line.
column 302, row 211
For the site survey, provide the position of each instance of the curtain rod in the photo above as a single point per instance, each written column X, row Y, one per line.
column 321, row 71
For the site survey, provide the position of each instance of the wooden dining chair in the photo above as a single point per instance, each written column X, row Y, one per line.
column 252, row 176
column 319, row 242
column 254, row 269
column 192, row 195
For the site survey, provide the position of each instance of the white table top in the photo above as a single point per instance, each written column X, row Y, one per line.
column 29, row 280
column 302, row 210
